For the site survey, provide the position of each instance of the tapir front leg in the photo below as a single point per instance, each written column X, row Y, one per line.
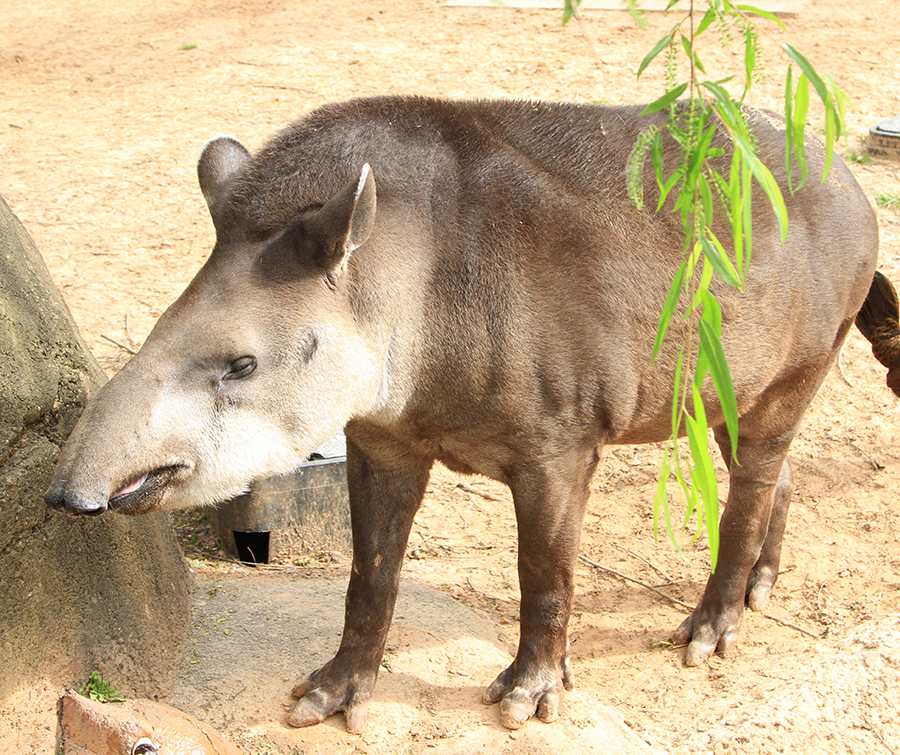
column 383, row 503
column 550, row 499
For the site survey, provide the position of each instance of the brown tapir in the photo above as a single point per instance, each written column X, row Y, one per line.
column 492, row 305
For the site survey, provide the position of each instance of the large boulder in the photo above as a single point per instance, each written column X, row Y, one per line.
column 110, row 594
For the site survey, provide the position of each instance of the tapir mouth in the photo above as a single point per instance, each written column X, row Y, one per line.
column 143, row 494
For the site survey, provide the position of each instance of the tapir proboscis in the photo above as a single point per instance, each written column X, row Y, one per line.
column 492, row 304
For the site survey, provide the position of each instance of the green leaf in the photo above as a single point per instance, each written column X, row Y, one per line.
column 668, row 186
column 650, row 56
column 708, row 18
column 658, row 157
column 766, row 180
column 95, row 688
column 668, row 310
column 676, row 404
column 749, row 60
column 698, row 438
column 788, row 125
column 840, row 97
column 801, row 108
column 691, row 493
column 762, row 13
column 569, row 9
column 727, row 110
column 706, row 277
column 699, row 153
column 807, row 68
column 691, row 53
column 718, row 258
column 661, row 500
column 737, row 200
column 747, row 223
column 831, row 130
column 721, row 377
column 712, row 313
column 704, row 473
column 694, row 257
column 706, row 199
column 667, row 99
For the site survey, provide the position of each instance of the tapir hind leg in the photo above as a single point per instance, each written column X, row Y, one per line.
column 743, row 533
column 550, row 498
column 764, row 573
column 383, row 503
column 752, row 526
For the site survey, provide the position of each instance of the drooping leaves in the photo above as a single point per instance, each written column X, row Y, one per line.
column 696, row 186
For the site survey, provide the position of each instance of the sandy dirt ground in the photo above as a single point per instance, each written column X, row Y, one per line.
column 104, row 106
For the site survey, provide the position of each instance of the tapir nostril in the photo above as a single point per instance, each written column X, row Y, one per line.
column 75, row 505
column 54, row 499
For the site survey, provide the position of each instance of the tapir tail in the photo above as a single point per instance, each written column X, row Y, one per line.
column 879, row 322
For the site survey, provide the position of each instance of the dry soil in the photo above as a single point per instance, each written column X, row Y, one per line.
column 104, row 106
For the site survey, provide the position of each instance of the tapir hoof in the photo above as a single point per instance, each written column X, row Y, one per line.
column 704, row 638
column 313, row 706
column 519, row 700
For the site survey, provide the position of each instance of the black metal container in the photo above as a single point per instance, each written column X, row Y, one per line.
column 293, row 516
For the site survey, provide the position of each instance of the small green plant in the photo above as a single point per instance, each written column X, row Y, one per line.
column 888, row 200
column 860, row 155
column 100, row 691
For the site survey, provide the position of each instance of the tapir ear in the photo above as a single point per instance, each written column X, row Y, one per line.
column 344, row 223
column 221, row 158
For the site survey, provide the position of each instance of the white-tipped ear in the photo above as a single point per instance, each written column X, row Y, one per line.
column 363, row 210
column 345, row 222
column 220, row 159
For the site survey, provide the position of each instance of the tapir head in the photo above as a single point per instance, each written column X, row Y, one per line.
column 258, row 362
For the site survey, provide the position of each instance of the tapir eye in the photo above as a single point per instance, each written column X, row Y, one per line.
column 240, row 368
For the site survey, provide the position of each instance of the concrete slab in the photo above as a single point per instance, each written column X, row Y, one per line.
column 256, row 635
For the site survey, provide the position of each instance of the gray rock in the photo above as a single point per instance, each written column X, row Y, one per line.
column 110, row 594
